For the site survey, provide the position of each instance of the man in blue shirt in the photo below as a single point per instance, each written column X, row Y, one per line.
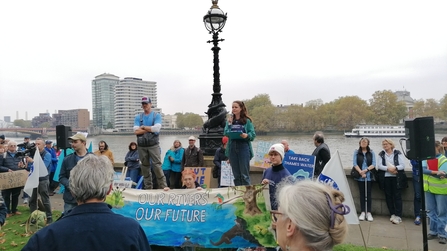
column 148, row 123
column 53, row 184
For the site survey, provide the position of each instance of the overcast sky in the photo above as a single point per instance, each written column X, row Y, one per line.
column 293, row 50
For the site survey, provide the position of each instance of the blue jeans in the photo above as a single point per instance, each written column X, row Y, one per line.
column 437, row 212
column 240, row 162
column 167, row 174
column 417, row 196
column 134, row 174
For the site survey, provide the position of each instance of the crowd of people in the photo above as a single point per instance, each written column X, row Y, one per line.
column 324, row 227
column 388, row 171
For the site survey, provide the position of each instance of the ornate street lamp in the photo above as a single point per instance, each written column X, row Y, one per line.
column 210, row 140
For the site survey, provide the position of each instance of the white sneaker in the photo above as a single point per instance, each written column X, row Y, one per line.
column 25, row 201
column 362, row 216
column 369, row 217
column 397, row 220
column 392, row 217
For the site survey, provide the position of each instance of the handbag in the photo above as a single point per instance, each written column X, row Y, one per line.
column 354, row 173
column 401, row 178
column 148, row 138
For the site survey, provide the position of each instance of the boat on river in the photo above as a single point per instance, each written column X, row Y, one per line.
column 377, row 131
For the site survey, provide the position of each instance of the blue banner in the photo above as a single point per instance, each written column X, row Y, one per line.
column 229, row 217
column 300, row 166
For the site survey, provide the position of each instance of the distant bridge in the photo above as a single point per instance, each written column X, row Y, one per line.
column 33, row 132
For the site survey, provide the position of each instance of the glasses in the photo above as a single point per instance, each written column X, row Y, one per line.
column 191, row 140
column 12, row 145
column 274, row 215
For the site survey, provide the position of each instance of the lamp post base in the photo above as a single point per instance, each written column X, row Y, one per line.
column 209, row 142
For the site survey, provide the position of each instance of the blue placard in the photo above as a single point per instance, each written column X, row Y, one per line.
column 300, row 166
column 237, row 128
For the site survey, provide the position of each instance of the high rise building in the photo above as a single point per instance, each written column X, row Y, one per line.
column 77, row 118
column 128, row 94
column 103, row 100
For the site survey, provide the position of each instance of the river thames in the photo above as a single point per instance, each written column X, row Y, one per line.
column 300, row 143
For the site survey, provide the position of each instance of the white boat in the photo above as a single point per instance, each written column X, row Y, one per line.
column 377, row 131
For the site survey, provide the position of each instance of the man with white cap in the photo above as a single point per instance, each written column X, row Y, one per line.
column 193, row 156
column 147, row 126
column 275, row 174
column 78, row 143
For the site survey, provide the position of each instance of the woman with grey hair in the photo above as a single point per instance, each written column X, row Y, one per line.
column 310, row 216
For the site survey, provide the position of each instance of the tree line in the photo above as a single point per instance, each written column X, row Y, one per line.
column 343, row 113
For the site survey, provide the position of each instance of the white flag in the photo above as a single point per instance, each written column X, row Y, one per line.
column 38, row 169
column 334, row 175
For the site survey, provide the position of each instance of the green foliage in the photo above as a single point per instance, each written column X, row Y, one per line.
column 262, row 112
column 386, row 108
column 189, row 120
column 22, row 123
column 109, row 125
column 257, row 225
column 350, row 111
column 443, row 107
column 430, row 107
column 116, row 198
column 45, row 125
column 257, row 101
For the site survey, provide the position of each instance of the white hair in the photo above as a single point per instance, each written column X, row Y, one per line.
column 306, row 203
column 91, row 178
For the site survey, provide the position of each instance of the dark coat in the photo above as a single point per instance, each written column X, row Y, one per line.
column 132, row 159
column 67, row 164
column 322, row 156
column 219, row 156
column 9, row 162
column 192, row 157
column 91, row 226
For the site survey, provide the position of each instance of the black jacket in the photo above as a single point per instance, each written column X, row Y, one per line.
column 322, row 156
column 67, row 164
column 192, row 157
